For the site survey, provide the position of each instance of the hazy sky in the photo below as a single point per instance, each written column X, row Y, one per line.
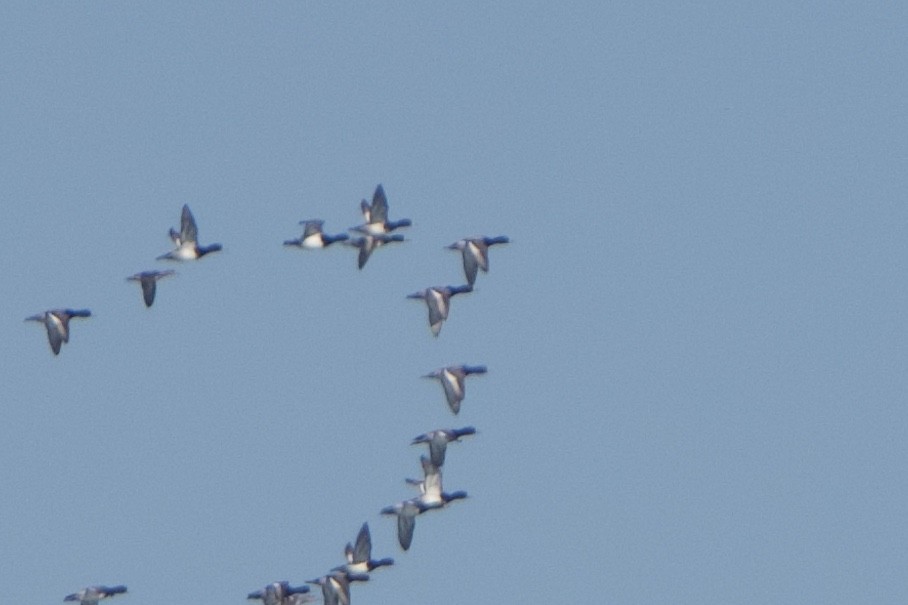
column 696, row 339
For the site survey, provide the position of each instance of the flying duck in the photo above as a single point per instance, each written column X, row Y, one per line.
column 368, row 242
column 438, row 300
column 439, row 439
column 431, row 494
column 57, row 323
column 93, row 594
column 452, row 381
column 475, row 253
column 314, row 237
column 336, row 586
column 149, row 281
column 376, row 215
column 406, row 512
column 187, row 240
column 359, row 554
column 281, row 593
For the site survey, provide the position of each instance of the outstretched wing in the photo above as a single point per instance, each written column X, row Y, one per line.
column 379, row 210
column 405, row 526
column 362, row 551
column 188, row 230
column 149, row 287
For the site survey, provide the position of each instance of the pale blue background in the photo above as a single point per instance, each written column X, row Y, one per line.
column 696, row 339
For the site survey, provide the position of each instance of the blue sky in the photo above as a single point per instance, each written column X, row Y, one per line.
column 696, row 339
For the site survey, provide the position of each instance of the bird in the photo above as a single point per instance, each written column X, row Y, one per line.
column 452, row 381
column 93, row 594
column 368, row 243
column 438, row 299
column 149, row 281
column 376, row 215
column 438, row 441
column 57, row 323
column 430, row 482
column 431, row 497
column 406, row 512
column 187, row 240
column 359, row 554
column 431, row 494
column 336, row 586
column 314, row 237
column 281, row 593
column 475, row 253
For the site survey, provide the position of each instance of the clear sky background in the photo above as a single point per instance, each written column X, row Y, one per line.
column 696, row 339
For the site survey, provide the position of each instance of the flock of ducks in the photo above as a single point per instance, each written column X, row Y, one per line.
column 376, row 231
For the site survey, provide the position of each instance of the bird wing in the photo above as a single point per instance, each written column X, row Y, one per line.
column 56, row 333
column 379, row 210
column 362, row 551
column 405, row 526
column 188, row 230
column 149, row 287
column 311, row 228
column 470, row 263
column 437, row 450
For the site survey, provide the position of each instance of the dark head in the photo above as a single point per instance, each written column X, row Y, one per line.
column 460, row 289
column 458, row 495
column 203, row 250
column 392, row 225
column 475, row 369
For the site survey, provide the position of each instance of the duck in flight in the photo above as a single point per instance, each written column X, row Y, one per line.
column 438, row 441
column 368, row 243
column 375, row 215
column 149, row 282
column 281, row 593
column 359, row 554
column 336, row 586
column 438, row 300
column 314, row 237
column 431, row 497
column 452, row 381
column 187, row 245
column 431, row 494
column 475, row 252
column 93, row 594
column 406, row 512
column 56, row 321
